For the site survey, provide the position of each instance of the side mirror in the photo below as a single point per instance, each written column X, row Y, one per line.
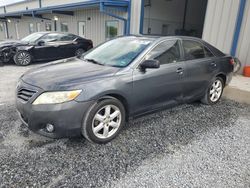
column 150, row 64
column 41, row 43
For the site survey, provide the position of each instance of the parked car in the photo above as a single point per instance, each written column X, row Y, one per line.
column 123, row 78
column 43, row 46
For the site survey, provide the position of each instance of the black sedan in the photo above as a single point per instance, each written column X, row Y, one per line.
column 122, row 78
column 43, row 46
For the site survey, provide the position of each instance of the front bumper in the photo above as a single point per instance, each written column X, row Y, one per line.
column 65, row 117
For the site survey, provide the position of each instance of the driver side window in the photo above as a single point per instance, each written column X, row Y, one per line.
column 52, row 37
column 166, row 52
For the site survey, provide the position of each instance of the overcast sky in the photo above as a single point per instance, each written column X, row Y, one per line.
column 5, row 2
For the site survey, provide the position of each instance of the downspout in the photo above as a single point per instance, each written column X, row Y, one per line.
column 129, row 17
column 142, row 16
column 185, row 15
column 40, row 3
column 6, row 24
column 238, row 26
column 7, row 29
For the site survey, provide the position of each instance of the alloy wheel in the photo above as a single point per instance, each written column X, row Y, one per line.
column 106, row 121
column 216, row 90
column 23, row 58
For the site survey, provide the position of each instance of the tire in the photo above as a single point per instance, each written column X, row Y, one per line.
column 79, row 52
column 100, row 126
column 214, row 92
column 22, row 58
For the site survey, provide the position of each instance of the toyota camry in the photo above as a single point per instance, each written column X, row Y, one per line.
column 95, row 95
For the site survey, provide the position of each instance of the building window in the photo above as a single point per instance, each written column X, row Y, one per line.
column 48, row 27
column 64, row 27
column 111, row 29
column 31, row 28
column 38, row 27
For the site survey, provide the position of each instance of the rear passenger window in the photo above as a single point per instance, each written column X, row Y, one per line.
column 67, row 37
column 208, row 52
column 193, row 50
column 166, row 52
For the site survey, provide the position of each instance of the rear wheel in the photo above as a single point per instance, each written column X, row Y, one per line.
column 22, row 58
column 104, row 121
column 214, row 92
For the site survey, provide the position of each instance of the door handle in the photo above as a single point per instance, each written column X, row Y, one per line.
column 179, row 70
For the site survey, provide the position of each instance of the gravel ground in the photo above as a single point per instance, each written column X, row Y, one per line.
column 187, row 146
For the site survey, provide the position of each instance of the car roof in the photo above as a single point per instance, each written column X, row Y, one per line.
column 55, row 32
column 155, row 37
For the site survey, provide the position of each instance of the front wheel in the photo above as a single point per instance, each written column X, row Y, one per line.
column 103, row 121
column 22, row 58
column 214, row 92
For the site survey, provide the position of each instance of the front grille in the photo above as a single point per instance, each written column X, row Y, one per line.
column 25, row 94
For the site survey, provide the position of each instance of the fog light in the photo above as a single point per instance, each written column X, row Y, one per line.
column 50, row 128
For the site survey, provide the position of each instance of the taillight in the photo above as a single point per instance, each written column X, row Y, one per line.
column 232, row 62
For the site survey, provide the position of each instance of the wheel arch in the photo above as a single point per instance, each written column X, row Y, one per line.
column 223, row 77
column 119, row 97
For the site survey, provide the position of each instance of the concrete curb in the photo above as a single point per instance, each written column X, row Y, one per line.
column 236, row 94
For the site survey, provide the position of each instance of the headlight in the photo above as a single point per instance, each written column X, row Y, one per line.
column 56, row 97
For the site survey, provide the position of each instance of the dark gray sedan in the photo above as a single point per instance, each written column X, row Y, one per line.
column 126, row 77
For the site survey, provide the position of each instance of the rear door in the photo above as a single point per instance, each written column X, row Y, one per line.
column 200, row 68
column 67, row 45
column 155, row 88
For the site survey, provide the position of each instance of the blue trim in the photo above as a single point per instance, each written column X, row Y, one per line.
column 238, row 26
column 142, row 16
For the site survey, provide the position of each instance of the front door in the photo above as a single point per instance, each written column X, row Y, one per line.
column 81, row 29
column 50, row 48
column 156, row 88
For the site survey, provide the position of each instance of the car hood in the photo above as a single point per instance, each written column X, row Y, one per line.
column 8, row 43
column 66, row 74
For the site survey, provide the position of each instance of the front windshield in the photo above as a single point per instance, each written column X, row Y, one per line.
column 118, row 52
column 32, row 37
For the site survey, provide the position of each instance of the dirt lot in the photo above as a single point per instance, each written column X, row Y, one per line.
column 188, row 146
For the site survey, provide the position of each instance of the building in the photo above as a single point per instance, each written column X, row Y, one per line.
column 223, row 23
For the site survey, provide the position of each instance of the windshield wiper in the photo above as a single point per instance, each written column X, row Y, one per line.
column 94, row 61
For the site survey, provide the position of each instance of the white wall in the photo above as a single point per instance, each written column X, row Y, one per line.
column 220, row 23
column 1, row 10
column 46, row 3
column 2, row 33
column 22, row 6
column 135, row 17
